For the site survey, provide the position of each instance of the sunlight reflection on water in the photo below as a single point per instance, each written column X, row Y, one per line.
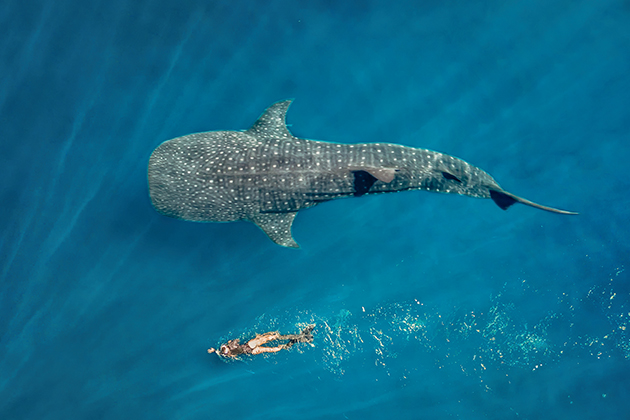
column 494, row 339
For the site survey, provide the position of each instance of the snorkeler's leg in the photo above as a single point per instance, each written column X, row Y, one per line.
column 304, row 337
column 264, row 338
column 260, row 350
column 307, row 334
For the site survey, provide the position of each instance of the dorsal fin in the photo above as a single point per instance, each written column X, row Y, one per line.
column 451, row 177
column 363, row 181
column 272, row 123
column 366, row 176
column 386, row 175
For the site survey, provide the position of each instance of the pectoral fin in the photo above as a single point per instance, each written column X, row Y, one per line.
column 277, row 226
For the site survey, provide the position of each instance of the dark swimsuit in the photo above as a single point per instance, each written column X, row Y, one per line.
column 237, row 349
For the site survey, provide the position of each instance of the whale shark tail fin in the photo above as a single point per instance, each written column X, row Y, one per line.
column 505, row 199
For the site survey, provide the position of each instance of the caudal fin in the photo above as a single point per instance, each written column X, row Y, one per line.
column 505, row 199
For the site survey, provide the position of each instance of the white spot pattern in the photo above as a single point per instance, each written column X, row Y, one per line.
column 265, row 174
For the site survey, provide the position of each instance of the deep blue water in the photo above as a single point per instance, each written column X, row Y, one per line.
column 427, row 306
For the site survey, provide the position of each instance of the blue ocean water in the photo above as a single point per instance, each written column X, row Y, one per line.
column 427, row 306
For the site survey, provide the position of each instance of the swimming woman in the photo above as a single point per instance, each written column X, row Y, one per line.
column 234, row 348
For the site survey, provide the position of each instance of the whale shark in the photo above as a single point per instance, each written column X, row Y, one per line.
column 266, row 175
